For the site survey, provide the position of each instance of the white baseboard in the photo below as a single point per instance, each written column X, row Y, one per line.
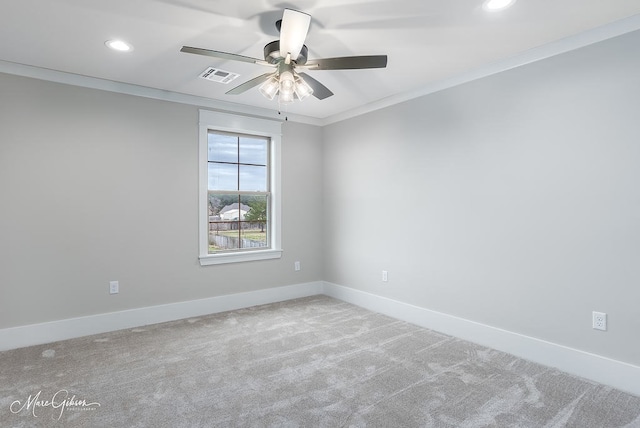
column 600, row 369
column 37, row 334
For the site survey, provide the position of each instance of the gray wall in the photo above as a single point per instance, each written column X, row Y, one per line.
column 98, row 186
column 511, row 201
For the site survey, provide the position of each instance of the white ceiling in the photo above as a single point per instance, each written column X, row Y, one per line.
column 426, row 41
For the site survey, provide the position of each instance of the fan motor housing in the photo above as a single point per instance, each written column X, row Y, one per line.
column 272, row 53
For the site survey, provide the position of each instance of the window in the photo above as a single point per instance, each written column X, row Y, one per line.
column 238, row 191
column 239, row 184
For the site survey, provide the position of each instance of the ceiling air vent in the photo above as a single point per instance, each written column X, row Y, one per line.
column 217, row 75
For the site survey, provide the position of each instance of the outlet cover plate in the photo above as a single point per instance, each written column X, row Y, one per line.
column 114, row 287
column 599, row 321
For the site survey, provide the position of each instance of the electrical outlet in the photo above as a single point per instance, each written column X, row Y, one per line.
column 599, row 321
column 114, row 287
column 296, row 266
column 385, row 276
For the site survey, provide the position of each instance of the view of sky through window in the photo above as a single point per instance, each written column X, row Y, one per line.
column 237, row 162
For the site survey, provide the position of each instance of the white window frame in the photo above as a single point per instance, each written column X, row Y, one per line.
column 216, row 121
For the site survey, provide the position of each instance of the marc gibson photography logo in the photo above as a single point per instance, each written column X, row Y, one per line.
column 59, row 402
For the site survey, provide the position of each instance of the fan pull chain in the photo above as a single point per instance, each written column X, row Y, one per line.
column 286, row 118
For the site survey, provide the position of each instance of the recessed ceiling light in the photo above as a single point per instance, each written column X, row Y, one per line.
column 497, row 4
column 119, row 45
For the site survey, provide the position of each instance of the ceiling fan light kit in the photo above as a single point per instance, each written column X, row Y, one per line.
column 288, row 54
column 287, row 84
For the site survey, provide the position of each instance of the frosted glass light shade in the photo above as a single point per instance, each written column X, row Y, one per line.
column 285, row 98
column 270, row 88
column 287, row 83
column 303, row 90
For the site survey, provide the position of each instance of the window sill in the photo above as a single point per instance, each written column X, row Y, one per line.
column 248, row 256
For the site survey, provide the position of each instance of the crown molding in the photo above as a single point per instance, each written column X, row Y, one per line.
column 567, row 44
column 548, row 50
column 146, row 92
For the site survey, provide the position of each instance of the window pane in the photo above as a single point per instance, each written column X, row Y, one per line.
column 253, row 178
column 224, row 236
column 253, row 150
column 216, row 202
column 224, row 212
column 223, row 176
column 254, row 228
column 252, row 237
column 222, row 148
column 219, row 204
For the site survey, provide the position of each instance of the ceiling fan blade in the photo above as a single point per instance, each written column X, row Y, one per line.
column 222, row 55
column 249, row 84
column 319, row 90
column 293, row 32
column 347, row 63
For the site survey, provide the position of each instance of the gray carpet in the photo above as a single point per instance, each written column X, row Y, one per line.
column 312, row 362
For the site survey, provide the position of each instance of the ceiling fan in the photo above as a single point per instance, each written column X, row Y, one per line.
column 289, row 56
